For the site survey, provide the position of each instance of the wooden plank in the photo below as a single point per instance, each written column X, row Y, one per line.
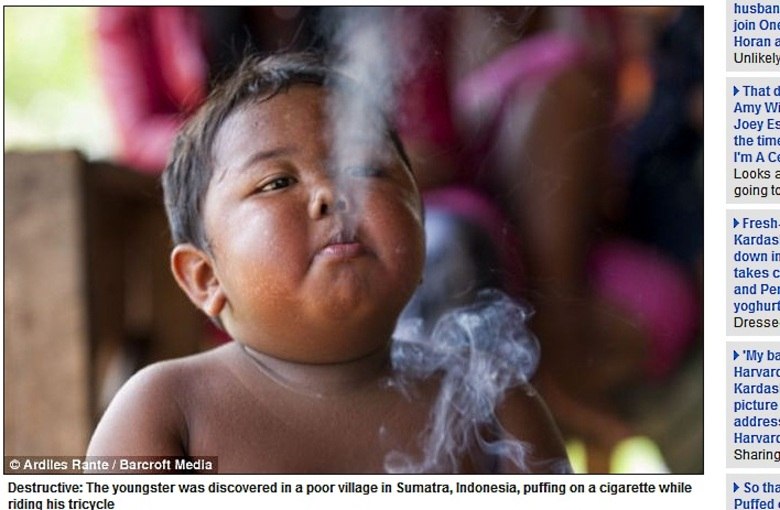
column 46, row 349
column 89, row 297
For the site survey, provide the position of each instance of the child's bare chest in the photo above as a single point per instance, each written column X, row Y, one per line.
column 264, row 428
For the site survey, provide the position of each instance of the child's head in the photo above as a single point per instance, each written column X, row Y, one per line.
column 296, row 256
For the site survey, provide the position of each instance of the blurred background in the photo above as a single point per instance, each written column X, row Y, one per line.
column 53, row 96
column 560, row 154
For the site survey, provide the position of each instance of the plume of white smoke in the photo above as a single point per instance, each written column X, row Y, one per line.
column 479, row 352
column 362, row 48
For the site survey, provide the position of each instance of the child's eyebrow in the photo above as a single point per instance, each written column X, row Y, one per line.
column 264, row 155
column 260, row 155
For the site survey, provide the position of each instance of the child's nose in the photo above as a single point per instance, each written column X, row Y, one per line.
column 327, row 199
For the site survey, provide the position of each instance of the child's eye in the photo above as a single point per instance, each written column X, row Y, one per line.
column 363, row 171
column 277, row 183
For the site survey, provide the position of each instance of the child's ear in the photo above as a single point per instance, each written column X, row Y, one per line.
column 194, row 272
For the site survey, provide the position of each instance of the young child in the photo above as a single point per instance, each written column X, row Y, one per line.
column 306, row 262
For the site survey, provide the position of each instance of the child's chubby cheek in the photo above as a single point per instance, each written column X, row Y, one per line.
column 377, row 271
column 334, row 306
column 292, row 271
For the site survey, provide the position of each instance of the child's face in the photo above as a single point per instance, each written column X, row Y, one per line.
column 315, row 262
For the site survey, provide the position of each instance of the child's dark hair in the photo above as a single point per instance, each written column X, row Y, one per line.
column 190, row 167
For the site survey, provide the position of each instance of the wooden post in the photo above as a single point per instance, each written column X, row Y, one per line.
column 87, row 292
column 46, row 319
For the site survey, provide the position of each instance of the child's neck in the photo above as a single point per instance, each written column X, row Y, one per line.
column 321, row 380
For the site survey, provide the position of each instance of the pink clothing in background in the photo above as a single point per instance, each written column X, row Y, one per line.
column 655, row 292
column 155, row 72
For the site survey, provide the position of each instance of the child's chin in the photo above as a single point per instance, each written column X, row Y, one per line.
column 360, row 311
column 343, row 303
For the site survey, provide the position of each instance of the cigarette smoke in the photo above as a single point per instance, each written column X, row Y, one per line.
column 360, row 48
column 479, row 351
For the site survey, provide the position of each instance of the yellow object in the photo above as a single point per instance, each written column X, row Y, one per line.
column 578, row 456
column 638, row 454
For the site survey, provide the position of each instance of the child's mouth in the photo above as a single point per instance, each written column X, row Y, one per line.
column 342, row 250
column 341, row 246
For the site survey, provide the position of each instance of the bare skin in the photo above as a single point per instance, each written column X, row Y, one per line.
column 220, row 404
column 309, row 281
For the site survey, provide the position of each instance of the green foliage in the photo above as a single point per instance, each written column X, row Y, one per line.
column 46, row 48
column 52, row 94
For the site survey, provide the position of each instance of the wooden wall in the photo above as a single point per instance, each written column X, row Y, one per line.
column 88, row 295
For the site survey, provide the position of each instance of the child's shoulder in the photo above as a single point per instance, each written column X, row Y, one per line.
column 183, row 370
column 149, row 414
column 171, row 378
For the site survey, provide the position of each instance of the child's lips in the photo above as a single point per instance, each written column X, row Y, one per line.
column 342, row 246
column 342, row 250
